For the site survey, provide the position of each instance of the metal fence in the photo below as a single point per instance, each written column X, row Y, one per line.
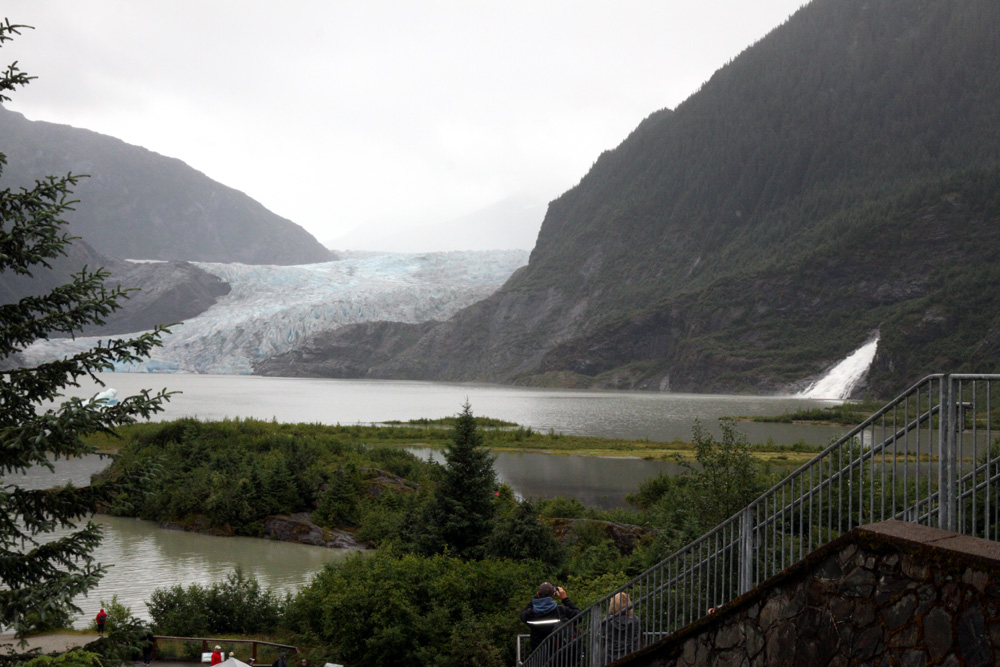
column 928, row 457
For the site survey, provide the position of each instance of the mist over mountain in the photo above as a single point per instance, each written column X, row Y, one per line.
column 138, row 204
column 511, row 223
column 838, row 180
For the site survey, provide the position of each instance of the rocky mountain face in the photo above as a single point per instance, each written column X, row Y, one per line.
column 836, row 181
column 138, row 204
column 159, row 292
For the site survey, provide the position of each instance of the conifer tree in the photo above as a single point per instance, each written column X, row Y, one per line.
column 460, row 517
column 41, row 573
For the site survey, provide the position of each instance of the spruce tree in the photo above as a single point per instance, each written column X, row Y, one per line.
column 40, row 573
column 460, row 517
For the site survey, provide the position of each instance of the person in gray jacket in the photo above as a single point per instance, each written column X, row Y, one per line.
column 621, row 628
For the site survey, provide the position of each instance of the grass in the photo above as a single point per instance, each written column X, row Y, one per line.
column 498, row 435
column 845, row 414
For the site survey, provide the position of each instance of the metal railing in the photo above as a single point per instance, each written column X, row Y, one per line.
column 928, row 457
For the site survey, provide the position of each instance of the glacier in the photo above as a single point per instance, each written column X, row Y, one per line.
column 271, row 309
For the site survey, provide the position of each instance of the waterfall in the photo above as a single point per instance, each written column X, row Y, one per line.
column 842, row 378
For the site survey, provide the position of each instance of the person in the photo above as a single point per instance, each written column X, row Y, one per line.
column 543, row 615
column 621, row 628
column 280, row 662
column 304, row 663
column 102, row 618
column 216, row 655
column 148, row 641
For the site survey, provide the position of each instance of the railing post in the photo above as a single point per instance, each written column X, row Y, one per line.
column 746, row 550
column 947, row 464
column 595, row 658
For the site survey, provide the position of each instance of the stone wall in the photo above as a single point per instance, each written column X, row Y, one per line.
column 890, row 593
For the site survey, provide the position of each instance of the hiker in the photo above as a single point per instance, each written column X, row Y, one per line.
column 216, row 655
column 543, row 615
column 102, row 618
column 621, row 628
column 280, row 662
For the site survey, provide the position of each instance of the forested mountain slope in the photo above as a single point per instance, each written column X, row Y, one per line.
column 137, row 204
column 838, row 180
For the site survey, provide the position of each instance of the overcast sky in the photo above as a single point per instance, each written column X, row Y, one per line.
column 375, row 114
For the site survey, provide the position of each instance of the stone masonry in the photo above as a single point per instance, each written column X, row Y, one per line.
column 891, row 593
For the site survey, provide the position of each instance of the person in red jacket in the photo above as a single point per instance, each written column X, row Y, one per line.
column 102, row 618
column 217, row 655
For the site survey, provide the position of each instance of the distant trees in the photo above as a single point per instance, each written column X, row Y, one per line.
column 40, row 574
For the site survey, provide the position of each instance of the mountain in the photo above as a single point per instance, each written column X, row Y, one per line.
column 837, row 181
column 268, row 311
column 159, row 292
column 507, row 224
column 138, row 204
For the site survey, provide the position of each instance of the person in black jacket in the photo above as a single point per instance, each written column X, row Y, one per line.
column 543, row 615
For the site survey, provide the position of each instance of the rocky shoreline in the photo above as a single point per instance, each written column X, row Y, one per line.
column 297, row 528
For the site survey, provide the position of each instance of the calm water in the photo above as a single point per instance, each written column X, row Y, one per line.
column 145, row 557
column 630, row 415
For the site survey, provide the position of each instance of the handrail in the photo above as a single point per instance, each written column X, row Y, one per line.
column 914, row 459
column 205, row 641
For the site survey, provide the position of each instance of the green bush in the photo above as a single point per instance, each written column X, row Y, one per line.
column 561, row 508
column 237, row 605
column 380, row 609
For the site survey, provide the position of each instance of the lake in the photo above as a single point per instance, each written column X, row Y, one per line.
column 145, row 557
column 630, row 415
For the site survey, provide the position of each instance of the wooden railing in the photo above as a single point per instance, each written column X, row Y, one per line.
column 206, row 641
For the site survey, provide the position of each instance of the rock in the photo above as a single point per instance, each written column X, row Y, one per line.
column 299, row 529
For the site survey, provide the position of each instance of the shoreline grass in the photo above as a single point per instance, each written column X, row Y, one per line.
column 498, row 436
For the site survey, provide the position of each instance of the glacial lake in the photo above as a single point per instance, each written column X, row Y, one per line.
column 144, row 557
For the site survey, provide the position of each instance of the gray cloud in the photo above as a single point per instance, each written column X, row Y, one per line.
column 345, row 114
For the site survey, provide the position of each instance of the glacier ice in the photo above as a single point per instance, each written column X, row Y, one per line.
column 271, row 309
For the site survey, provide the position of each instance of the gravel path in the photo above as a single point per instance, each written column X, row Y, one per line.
column 53, row 642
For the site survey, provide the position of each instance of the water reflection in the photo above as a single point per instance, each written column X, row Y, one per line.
column 595, row 481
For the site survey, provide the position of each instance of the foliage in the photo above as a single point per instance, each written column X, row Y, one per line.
column 118, row 614
column 340, row 504
column 729, row 478
column 42, row 574
column 54, row 619
column 460, row 516
column 124, row 635
column 385, row 608
column 236, row 605
column 518, row 534
column 850, row 413
column 74, row 658
column 585, row 591
column 229, row 476
column 561, row 507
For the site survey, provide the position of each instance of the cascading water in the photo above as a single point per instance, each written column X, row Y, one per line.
column 842, row 378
